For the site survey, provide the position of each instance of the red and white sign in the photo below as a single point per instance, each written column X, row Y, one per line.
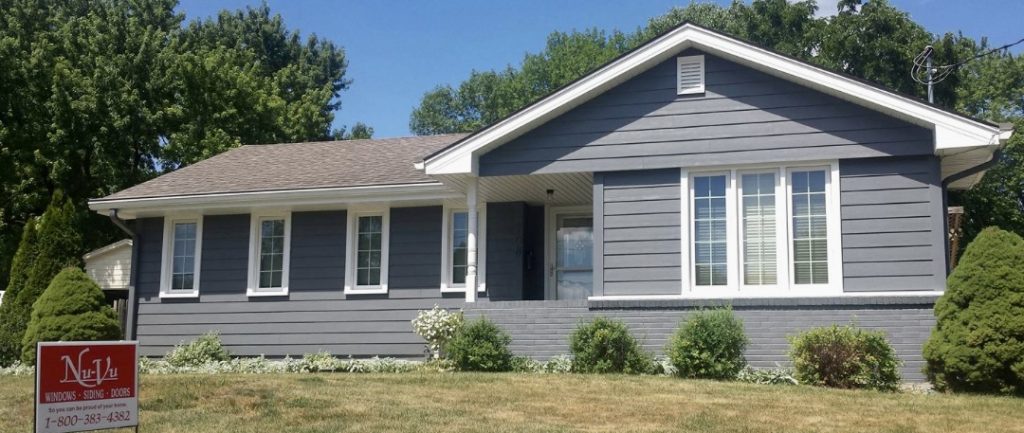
column 86, row 385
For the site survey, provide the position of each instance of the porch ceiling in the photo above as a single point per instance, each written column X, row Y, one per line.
column 569, row 188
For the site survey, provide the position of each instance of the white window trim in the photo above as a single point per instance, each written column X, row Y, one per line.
column 781, row 239
column 446, row 252
column 253, row 288
column 784, row 287
column 350, row 251
column 833, row 232
column 166, row 261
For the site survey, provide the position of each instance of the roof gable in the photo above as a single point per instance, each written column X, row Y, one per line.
column 951, row 131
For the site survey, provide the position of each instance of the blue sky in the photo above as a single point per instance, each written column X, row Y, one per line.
column 398, row 50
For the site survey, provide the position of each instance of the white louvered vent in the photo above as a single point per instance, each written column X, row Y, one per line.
column 689, row 75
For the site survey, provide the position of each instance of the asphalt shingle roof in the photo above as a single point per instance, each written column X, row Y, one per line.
column 291, row 166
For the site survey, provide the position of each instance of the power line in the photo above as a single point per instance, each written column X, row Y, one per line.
column 923, row 72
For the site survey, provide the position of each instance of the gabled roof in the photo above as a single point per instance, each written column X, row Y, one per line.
column 107, row 249
column 953, row 132
column 292, row 167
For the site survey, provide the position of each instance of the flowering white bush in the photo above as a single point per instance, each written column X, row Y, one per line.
column 558, row 364
column 17, row 369
column 437, row 326
column 318, row 362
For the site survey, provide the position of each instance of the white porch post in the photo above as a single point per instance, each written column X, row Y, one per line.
column 471, row 213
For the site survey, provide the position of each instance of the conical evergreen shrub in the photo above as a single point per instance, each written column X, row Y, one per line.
column 73, row 308
column 58, row 244
column 12, row 322
column 978, row 341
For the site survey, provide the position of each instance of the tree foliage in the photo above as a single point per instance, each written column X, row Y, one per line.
column 978, row 341
column 73, row 308
column 52, row 244
column 96, row 96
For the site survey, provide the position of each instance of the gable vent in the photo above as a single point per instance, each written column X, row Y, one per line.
column 689, row 75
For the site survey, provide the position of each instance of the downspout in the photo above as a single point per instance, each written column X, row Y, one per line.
column 996, row 156
column 129, row 324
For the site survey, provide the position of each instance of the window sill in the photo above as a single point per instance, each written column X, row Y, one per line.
column 179, row 295
column 448, row 289
column 368, row 290
column 253, row 293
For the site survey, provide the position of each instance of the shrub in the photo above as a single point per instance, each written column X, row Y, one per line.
column 978, row 341
column 708, row 345
column 559, row 364
column 767, row 376
column 53, row 243
column 606, row 346
column 480, row 346
column 203, row 350
column 437, row 326
column 320, row 361
column 525, row 364
column 73, row 308
column 845, row 357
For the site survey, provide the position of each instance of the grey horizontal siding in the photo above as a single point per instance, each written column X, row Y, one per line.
column 316, row 314
column 541, row 329
column 745, row 116
column 640, row 227
column 505, row 237
column 893, row 224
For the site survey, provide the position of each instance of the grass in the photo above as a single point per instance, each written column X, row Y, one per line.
column 417, row 402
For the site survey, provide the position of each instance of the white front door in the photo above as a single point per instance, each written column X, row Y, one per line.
column 572, row 271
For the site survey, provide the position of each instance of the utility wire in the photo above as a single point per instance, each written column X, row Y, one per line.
column 920, row 70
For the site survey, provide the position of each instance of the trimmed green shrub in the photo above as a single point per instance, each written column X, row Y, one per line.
column 845, row 357
column 978, row 341
column 708, row 345
column 73, row 308
column 480, row 345
column 57, row 244
column 606, row 346
column 203, row 350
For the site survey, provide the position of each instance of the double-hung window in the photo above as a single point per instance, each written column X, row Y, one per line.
column 182, row 246
column 761, row 230
column 269, row 252
column 809, row 227
column 455, row 250
column 367, row 256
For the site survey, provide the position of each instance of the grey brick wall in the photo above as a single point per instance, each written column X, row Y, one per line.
column 541, row 329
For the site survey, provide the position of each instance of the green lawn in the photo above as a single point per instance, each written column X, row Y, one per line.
column 417, row 402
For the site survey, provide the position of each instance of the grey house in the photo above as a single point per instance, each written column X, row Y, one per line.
column 695, row 170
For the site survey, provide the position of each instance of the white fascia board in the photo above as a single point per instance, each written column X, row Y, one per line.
column 284, row 198
column 106, row 249
column 952, row 131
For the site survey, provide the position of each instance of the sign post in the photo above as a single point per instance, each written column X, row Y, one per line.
column 86, row 385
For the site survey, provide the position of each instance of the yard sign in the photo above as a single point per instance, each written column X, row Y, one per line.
column 86, row 385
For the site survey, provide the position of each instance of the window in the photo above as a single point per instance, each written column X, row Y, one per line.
column 809, row 227
column 760, row 231
column 757, row 203
column 460, row 244
column 179, row 276
column 368, row 250
column 455, row 251
column 367, row 260
column 709, row 229
column 269, row 251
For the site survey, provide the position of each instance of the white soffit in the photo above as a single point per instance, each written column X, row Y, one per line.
column 952, row 131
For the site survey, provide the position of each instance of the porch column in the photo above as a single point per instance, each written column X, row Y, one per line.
column 471, row 214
